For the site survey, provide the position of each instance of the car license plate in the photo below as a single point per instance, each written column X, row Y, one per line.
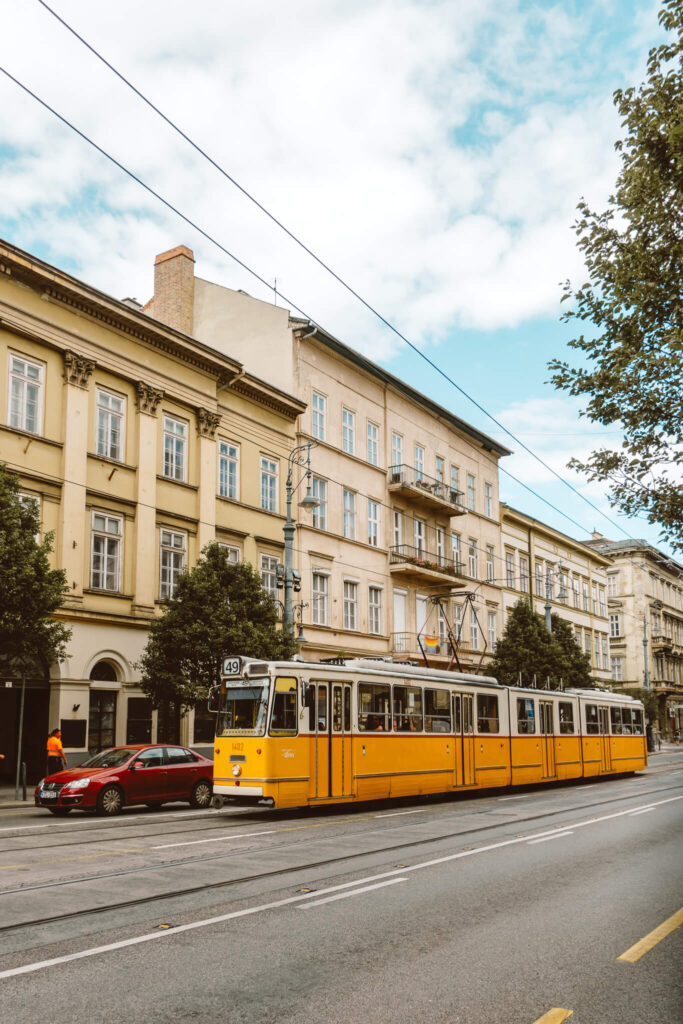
column 48, row 795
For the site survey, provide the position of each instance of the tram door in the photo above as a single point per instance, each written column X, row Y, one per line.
column 340, row 740
column 463, row 719
column 545, row 715
column 605, row 752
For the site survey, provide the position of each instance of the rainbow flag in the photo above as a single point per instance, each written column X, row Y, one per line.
column 431, row 644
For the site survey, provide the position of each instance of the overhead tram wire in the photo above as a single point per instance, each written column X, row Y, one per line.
column 387, row 323
column 231, row 255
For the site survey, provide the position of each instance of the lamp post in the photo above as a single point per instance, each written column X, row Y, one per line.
column 299, row 456
column 561, row 595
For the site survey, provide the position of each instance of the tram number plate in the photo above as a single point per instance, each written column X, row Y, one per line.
column 48, row 796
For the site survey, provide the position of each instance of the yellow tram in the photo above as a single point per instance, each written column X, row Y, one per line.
column 293, row 733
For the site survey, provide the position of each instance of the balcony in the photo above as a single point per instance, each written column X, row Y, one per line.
column 662, row 643
column 425, row 490
column 418, row 564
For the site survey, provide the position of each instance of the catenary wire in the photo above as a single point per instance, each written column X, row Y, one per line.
column 340, row 280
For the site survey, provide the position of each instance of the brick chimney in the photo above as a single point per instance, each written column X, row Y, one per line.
column 173, row 301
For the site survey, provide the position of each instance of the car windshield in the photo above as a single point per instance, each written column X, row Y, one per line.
column 109, row 758
column 243, row 709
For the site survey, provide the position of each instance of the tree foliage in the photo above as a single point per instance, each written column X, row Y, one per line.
column 527, row 651
column 218, row 608
column 30, row 591
column 633, row 251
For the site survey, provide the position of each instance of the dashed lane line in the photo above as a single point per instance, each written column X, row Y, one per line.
column 639, row 949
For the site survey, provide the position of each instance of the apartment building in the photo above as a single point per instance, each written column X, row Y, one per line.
column 547, row 567
column 645, row 604
column 140, row 445
column 407, row 490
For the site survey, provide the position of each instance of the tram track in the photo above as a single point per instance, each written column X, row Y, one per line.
column 259, row 876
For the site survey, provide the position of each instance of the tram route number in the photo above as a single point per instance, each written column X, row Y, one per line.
column 238, row 746
column 232, row 666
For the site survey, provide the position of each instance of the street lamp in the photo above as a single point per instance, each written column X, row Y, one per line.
column 299, row 456
column 561, row 595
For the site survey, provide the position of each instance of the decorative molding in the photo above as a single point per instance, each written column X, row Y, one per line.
column 148, row 397
column 77, row 370
column 207, row 423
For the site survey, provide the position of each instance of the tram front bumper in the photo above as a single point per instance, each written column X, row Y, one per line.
column 236, row 789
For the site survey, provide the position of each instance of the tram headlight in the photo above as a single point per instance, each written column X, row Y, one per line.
column 236, row 770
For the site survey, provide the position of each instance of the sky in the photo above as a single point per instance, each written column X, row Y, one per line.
column 431, row 152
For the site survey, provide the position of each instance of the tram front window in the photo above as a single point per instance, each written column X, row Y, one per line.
column 243, row 710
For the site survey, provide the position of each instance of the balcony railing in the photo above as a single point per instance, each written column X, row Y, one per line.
column 407, row 643
column 417, row 562
column 425, row 489
column 660, row 642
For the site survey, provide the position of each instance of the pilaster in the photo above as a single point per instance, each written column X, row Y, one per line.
column 146, row 583
column 207, row 424
column 73, row 554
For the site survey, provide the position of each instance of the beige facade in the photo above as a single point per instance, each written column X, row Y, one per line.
column 408, row 491
column 545, row 566
column 645, row 601
column 140, row 445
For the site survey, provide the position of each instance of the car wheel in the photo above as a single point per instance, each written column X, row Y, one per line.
column 110, row 801
column 201, row 794
column 61, row 812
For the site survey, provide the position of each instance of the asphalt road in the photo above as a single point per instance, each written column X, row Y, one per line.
column 490, row 908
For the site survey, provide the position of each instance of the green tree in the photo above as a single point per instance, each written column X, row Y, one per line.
column 30, row 592
column 573, row 667
column 632, row 369
column 525, row 649
column 218, row 608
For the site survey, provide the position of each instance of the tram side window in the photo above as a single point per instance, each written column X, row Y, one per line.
column 637, row 722
column 407, row 709
column 566, row 716
column 437, row 711
column 626, row 722
column 373, row 707
column 283, row 718
column 615, row 716
column 592, row 725
column 526, row 719
column 487, row 713
column 318, row 709
column 337, row 699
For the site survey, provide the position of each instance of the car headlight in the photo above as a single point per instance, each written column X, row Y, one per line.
column 236, row 770
column 40, row 784
column 77, row 784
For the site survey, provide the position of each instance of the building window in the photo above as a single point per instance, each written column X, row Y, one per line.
column 488, row 501
column 373, row 523
column 105, row 552
column 349, row 514
column 510, row 569
column 373, row 444
column 350, row 605
column 586, row 602
column 457, row 622
column 549, row 582
column 439, row 469
column 348, row 432
column 110, row 409
column 26, row 386
column 471, row 502
column 320, row 598
column 472, row 558
column 374, row 610
column 175, row 448
column 490, row 564
column 269, row 564
column 612, row 585
column 418, row 536
column 232, row 553
column 492, row 631
column 318, row 406
column 562, row 596
column 173, row 550
column 440, row 546
column 577, row 594
column 455, row 551
column 605, row 657
column 32, row 502
column 617, row 669
column 474, row 630
column 268, row 485
column 539, row 579
column 614, row 625
column 419, row 460
column 319, row 490
column 601, row 601
column 455, row 479
column 228, row 470
column 523, row 574
column 396, row 450
column 594, row 596
column 588, row 645
column 398, row 529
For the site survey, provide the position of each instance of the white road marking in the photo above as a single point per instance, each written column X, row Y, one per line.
column 547, row 839
column 354, row 892
column 524, row 796
column 396, row 814
column 217, row 839
column 643, row 810
column 395, row 873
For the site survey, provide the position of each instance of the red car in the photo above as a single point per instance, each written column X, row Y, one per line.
column 151, row 775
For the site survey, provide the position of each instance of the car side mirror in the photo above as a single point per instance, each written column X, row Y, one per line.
column 137, row 764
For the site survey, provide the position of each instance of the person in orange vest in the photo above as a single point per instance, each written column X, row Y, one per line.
column 55, row 752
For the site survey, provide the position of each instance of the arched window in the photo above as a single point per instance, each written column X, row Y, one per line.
column 103, row 672
column 102, row 711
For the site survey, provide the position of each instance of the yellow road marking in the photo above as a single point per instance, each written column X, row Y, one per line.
column 646, row 944
column 554, row 1016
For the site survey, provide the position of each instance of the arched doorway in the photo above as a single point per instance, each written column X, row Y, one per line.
column 102, row 711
